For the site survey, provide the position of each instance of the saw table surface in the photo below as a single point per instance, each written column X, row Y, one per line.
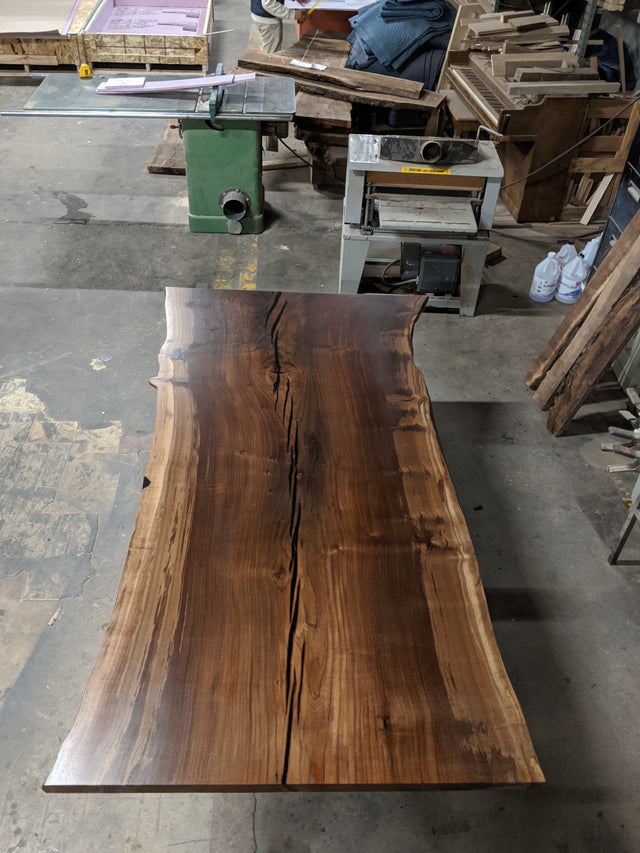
column 265, row 99
column 301, row 606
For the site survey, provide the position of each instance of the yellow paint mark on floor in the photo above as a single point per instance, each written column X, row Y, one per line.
column 225, row 267
column 237, row 264
column 131, row 843
column 249, row 275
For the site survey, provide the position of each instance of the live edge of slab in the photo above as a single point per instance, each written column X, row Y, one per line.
column 301, row 607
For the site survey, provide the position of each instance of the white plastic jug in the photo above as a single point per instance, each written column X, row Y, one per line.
column 572, row 281
column 590, row 250
column 565, row 255
column 545, row 279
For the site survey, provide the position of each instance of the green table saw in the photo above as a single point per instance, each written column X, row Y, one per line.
column 222, row 129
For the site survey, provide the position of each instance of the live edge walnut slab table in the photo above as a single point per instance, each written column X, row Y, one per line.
column 300, row 606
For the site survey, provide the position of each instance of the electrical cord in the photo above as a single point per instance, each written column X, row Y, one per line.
column 396, row 284
column 295, row 153
column 595, row 132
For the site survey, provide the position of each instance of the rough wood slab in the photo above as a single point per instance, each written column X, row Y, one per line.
column 427, row 101
column 319, row 110
column 168, row 158
column 603, row 289
column 362, row 81
column 607, row 342
column 301, row 605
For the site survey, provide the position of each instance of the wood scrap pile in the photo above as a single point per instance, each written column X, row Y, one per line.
column 527, row 56
column 515, row 28
column 592, row 334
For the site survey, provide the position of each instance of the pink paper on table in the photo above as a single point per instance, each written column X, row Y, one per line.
column 120, row 85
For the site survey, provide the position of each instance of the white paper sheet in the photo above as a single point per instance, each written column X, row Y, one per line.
column 329, row 5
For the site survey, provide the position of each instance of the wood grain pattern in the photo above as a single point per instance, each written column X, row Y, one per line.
column 301, row 605
column 343, row 84
column 346, row 77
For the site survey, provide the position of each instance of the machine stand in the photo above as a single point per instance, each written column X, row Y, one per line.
column 219, row 161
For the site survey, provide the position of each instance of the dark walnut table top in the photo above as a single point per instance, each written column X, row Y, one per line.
column 301, row 606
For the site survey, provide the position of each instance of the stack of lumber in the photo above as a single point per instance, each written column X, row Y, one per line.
column 515, row 28
column 592, row 334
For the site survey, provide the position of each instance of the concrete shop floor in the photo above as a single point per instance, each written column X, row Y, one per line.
column 89, row 240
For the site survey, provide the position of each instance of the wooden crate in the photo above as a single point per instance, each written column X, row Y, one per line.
column 127, row 48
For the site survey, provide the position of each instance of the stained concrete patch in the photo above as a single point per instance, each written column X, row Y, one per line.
column 59, row 480
column 21, row 621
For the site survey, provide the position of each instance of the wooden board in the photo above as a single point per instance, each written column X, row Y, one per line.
column 319, row 110
column 321, row 46
column 362, row 81
column 535, row 75
column 505, row 64
column 427, row 101
column 606, row 342
column 566, row 87
column 301, row 605
column 616, row 270
column 596, row 199
column 168, row 158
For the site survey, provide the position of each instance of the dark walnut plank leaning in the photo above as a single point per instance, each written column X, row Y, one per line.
column 301, row 605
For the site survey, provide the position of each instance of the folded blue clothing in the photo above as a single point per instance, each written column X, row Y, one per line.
column 404, row 10
column 360, row 57
column 423, row 68
column 395, row 42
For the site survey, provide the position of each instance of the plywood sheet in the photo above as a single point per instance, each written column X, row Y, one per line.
column 301, row 605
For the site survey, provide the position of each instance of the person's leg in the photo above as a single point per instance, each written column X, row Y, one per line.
column 270, row 32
